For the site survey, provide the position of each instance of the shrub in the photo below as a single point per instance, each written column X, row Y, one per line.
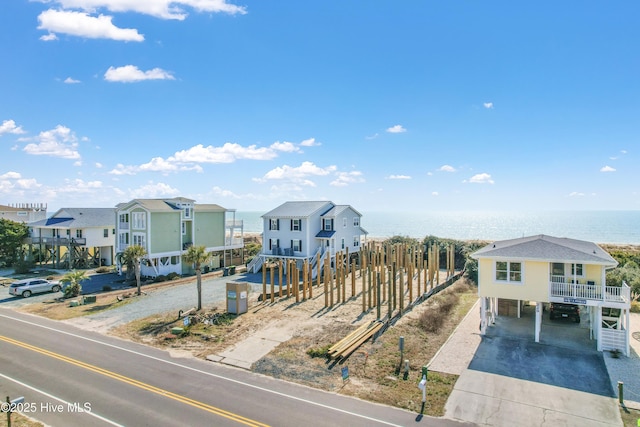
column 319, row 351
column 23, row 267
column 635, row 307
column 103, row 269
column 173, row 276
column 431, row 320
column 106, row 288
column 72, row 290
column 160, row 278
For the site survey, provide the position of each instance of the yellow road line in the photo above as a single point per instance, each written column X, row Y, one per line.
column 136, row 383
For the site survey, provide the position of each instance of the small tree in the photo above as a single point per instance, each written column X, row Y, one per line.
column 197, row 255
column 72, row 280
column 12, row 235
column 134, row 254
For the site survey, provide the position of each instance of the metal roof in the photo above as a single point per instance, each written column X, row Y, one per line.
column 547, row 248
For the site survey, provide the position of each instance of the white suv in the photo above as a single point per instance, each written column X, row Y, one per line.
column 27, row 287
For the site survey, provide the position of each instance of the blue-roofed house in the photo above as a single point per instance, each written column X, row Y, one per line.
column 75, row 237
column 309, row 230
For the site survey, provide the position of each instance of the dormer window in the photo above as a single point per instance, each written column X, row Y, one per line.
column 187, row 212
column 328, row 224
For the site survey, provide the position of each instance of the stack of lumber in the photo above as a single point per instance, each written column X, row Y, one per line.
column 347, row 345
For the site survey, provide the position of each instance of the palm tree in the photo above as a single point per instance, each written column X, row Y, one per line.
column 134, row 254
column 72, row 280
column 197, row 255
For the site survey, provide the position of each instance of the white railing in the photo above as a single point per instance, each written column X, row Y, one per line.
column 255, row 264
column 235, row 224
column 233, row 241
column 590, row 291
column 614, row 339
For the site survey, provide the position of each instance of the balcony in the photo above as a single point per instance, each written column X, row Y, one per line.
column 582, row 293
column 123, row 226
column 57, row 241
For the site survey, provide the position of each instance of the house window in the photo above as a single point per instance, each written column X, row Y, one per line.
column 187, row 212
column 328, row 225
column 139, row 220
column 508, row 271
column 184, row 228
column 557, row 269
column 105, row 233
column 274, row 243
column 356, row 241
column 344, row 222
column 123, row 239
column 296, row 225
column 342, row 243
column 356, row 221
column 79, row 234
column 577, row 270
column 124, row 217
column 274, row 224
column 296, row 245
column 139, row 239
column 113, row 231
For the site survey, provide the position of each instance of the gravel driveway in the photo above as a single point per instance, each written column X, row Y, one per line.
column 165, row 299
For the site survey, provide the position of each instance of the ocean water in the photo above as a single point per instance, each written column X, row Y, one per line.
column 595, row 226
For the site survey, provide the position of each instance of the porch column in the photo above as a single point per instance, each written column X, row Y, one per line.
column 626, row 329
column 538, row 321
column 494, row 310
column 518, row 309
column 483, row 315
column 599, row 327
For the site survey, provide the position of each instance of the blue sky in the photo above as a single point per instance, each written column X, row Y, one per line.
column 384, row 105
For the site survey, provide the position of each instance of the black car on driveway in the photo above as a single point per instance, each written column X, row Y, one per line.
column 560, row 310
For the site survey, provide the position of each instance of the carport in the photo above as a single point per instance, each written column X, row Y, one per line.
column 558, row 333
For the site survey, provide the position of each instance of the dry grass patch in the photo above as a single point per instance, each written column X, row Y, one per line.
column 376, row 370
column 60, row 309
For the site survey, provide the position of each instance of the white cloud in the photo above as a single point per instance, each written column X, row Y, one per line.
column 297, row 174
column 398, row 177
column 447, row 168
column 396, row 129
column 58, row 142
column 165, row 9
column 346, row 178
column 488, row 105
column 154, row 190
column 374, row 136
column 576, row 194
column 481, row 178
column 9, row 126
column 49, row 37
column 70, row 81
column 435, row 193
column 131, row 73
column 189, row 159
column 607, row 169
column 311, row 142
column 81, row 24
column 11, row 175
column 287, row 147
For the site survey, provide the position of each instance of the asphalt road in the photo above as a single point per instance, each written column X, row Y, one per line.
column 71, row 377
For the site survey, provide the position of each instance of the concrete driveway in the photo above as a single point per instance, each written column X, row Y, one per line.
column 511, row 380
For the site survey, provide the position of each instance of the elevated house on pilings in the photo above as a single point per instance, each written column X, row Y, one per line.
column 309, row 230
column 75, row 238
column 166, row 228
column 24, row 212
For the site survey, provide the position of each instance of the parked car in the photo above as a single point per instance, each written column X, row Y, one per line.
column 559, row 310
column 28, row 287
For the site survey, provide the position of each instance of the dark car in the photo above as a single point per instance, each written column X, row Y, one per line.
column 559, row 310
